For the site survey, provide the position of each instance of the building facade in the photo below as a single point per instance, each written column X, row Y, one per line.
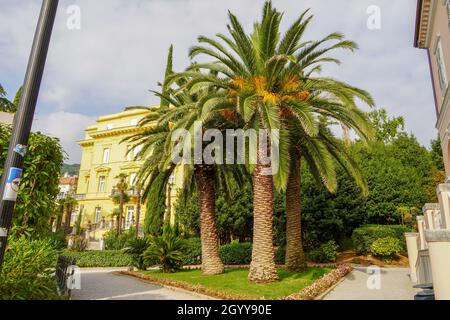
column 103, row 159
column 433, row 35
column 67, row 186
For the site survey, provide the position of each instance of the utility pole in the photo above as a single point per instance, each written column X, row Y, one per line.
column 23, row 120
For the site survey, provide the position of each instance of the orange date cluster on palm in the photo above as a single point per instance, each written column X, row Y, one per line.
column 290, row 89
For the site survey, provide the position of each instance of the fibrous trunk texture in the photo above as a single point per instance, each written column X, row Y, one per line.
column 211, row 262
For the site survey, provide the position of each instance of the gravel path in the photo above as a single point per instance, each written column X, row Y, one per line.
column 394, row 284
column 104, row 284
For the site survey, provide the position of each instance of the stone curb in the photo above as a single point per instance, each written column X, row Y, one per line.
column 173, row 288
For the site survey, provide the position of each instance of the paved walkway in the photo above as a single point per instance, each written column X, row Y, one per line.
column 363, row 284
column 103, row 284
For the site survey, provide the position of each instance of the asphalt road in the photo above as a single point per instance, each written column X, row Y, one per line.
column 107, row 285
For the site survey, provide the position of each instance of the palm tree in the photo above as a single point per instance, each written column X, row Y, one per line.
column 121, row 189
column 269, row 79
column 180, row 109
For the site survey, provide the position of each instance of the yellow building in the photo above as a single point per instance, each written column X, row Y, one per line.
column 103, row 159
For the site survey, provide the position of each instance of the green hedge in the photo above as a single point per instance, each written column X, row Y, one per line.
column 106, row 258
column 236, row 253
column 231, row 254
column 364, row 236
column 327, row 252
column 192, row 251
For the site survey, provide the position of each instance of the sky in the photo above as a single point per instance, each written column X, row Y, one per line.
column 118, row 55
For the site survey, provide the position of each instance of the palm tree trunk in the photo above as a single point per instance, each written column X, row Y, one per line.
column 211, row 263
column 68, row 218
column 295, row 257
column 119, row 219
column 138, row 211
column 60, row 218
column 262, row 267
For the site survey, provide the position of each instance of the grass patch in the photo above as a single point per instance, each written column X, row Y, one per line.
column 235, row 282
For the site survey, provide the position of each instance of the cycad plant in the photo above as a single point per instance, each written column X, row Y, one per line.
column 136, row 248
column 268, row 78
column 167, row 250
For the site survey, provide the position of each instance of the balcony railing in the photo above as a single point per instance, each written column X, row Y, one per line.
column 80, row 196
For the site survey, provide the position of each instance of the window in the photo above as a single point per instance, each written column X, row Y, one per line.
column 136, row 151
column 129, row 154
column 129, row 217
column 447, row 5
column 442, row 72
column 98, row 214
column 132, row 179
column 106, row 152
column 101, row 184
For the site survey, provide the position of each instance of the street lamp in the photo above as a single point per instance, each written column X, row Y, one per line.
column 23, row 119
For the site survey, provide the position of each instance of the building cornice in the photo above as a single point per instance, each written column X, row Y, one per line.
column 111, row 133
column 425, row 12
column 124, row 114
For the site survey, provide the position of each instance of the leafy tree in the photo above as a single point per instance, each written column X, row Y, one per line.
column 5, row 104
column 36, row 201
column 436, row 154
column 387, row 129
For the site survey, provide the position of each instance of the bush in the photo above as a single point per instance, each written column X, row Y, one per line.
column 327, row 252
column 364, row 236
column 27, row 272
column 97, row 259
column 192, row 251
column 58, row 239
column 280, row 255
column 236, row 253
column 118, row 242
column 79, row 244
column 385, row 248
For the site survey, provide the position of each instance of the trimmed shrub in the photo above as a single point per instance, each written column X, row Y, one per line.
column 236, row 254
column 364, row 236
column 327, row 252
column 385, row 248
column 192, row 252
column 28, row 268
column 118, row 242
column 58, row 239
column 97, row 259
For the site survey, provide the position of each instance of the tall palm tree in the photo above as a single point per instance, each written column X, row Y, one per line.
column 180, row 109
column 269, row 79
column 121, row 189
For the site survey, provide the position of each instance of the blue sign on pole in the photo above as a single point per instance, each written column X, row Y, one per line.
column 12, row 184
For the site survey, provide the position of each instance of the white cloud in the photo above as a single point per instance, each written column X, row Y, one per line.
column 68, row 127
column 120, row 51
